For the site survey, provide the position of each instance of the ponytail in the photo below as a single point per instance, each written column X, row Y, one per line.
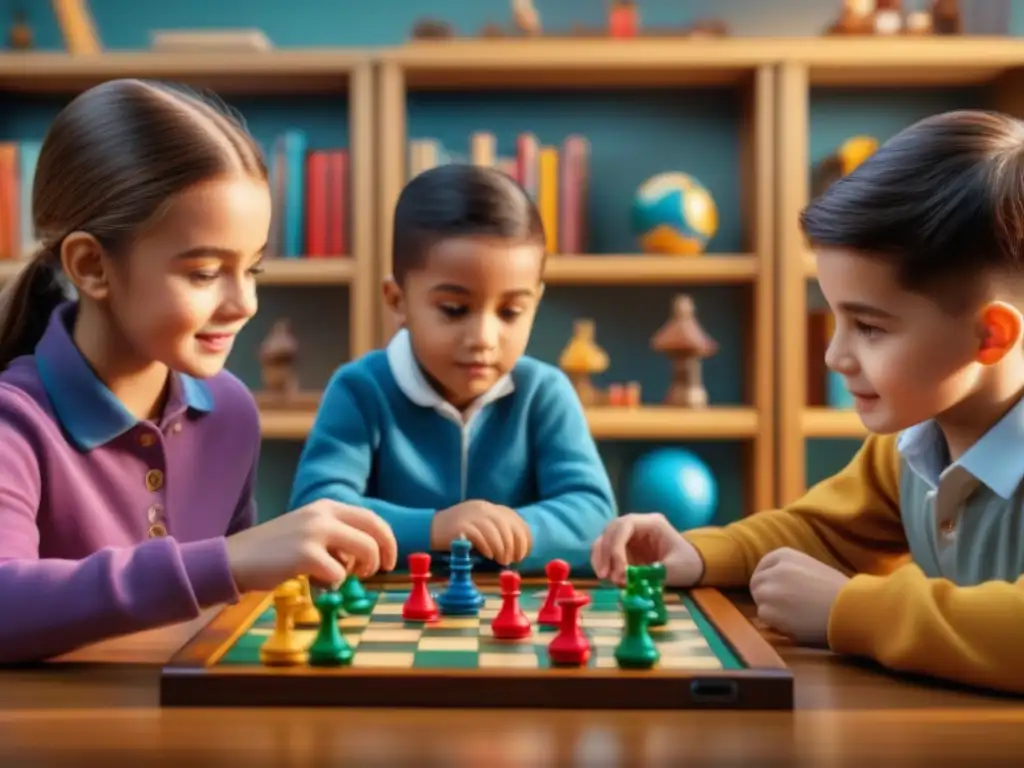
column 26, row 303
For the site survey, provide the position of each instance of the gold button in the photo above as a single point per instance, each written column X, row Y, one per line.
column 146, row 439
column 155, row 513
column 154, row 480
column 157, row 530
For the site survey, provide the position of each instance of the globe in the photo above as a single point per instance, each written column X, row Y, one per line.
column 673, row 213
column 676, row 483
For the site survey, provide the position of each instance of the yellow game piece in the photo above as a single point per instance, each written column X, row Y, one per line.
column 306, row 614
column 283, row 647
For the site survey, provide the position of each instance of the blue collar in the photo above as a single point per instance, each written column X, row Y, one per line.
column 997, row 459
column 88, row 411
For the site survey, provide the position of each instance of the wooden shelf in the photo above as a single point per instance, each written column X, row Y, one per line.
column 300, row 271
column 832, row 423
column 645, row 423
column 654, row 422
column 307, row 271
column 280, row 71
column 569, row 62
column 640, row 269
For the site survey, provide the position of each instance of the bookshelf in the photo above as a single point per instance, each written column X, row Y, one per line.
column 322, row 74
column 934, row 74
column 745, row 69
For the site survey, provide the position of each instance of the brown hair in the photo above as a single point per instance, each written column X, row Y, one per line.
column 459, row 200
column 943, row 201
column 109, row 163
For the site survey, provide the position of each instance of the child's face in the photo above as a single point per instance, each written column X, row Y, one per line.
column 189, row 285
column 903, row 357
column 469, row 312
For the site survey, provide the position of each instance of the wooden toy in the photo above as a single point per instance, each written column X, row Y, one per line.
column 581, row 359
column 278, row 353
column 685, row 343
column 710, row 655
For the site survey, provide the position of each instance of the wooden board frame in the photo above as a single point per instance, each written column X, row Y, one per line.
column 192, row 679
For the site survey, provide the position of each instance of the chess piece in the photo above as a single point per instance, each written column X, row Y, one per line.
column 461, row 598
column 356, row 601
column 526, row 18
column 636, row 649
column 570, row 647
column 329, row 647
column 888, row 17
column 685, row 343
column 283, row 647
column 420, row 605
column 278, row 353
column 647, row 581
column 510, row 623
column 550, row 614
column 306, row 614
column 581, row 359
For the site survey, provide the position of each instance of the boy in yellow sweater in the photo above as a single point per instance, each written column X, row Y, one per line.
column 913, row 555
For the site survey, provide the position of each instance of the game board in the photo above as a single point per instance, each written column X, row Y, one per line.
column 711, row 656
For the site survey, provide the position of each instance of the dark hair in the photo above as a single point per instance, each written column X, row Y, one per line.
column 942, row 201
column 459, row 200
column 107, row 165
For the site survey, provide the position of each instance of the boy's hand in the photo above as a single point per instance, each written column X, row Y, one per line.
column 325, row 540
column 496, row 532
column 795, row 593
column 641, row 539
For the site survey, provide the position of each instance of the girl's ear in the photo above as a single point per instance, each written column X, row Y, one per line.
column 1001, row 326
column 83, row 261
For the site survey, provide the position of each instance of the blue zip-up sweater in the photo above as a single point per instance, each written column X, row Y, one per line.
column 383, row 439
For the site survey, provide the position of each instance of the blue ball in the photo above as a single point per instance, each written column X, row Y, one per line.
column 673, row 213
column 676, row 483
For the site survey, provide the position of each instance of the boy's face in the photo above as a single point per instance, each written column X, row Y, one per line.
column 469, row 311
column 904, row 358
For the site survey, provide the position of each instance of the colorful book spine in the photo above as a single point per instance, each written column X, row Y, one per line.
column 556, row 178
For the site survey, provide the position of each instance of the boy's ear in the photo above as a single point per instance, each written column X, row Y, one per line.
column 85, row 265
column 394, row 300
column 1001, row 326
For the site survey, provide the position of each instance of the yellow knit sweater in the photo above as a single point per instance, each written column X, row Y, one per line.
column 889, row 611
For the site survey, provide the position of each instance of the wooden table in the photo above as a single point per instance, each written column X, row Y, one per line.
column 87, row 709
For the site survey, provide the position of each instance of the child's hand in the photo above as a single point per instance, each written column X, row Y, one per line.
column 496, row 532
column 794, row 594
column 325, row 540
column 641, row 539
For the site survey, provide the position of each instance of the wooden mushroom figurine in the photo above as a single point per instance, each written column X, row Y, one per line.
column 277, row 360
column 581, row 359
column 685, row 343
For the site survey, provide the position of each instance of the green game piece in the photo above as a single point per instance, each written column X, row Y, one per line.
column 636, row 650
column 656, row 579
column 356, row 601
column 329, row 648
column 638, row 584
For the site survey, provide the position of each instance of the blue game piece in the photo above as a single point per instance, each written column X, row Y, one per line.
column 461, row 598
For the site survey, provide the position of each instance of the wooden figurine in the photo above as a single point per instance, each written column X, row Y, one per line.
column 888, row 17
column 623, row 18
column 581, row 359
column 857, row 17
column 685, row 343
column 526, row 18
column 20, row 36
column 946, row 17
column 277, row 360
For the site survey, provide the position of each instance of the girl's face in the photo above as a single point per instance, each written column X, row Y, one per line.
column 189, row 283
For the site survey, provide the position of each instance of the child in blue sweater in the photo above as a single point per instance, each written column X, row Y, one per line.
column 451, row 430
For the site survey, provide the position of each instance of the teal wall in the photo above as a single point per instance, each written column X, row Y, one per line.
column 633, row 135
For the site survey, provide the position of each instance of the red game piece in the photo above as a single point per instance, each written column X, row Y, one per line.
column 570, row 646
column 510, row 623
column 550, row 614
column 420, row 605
